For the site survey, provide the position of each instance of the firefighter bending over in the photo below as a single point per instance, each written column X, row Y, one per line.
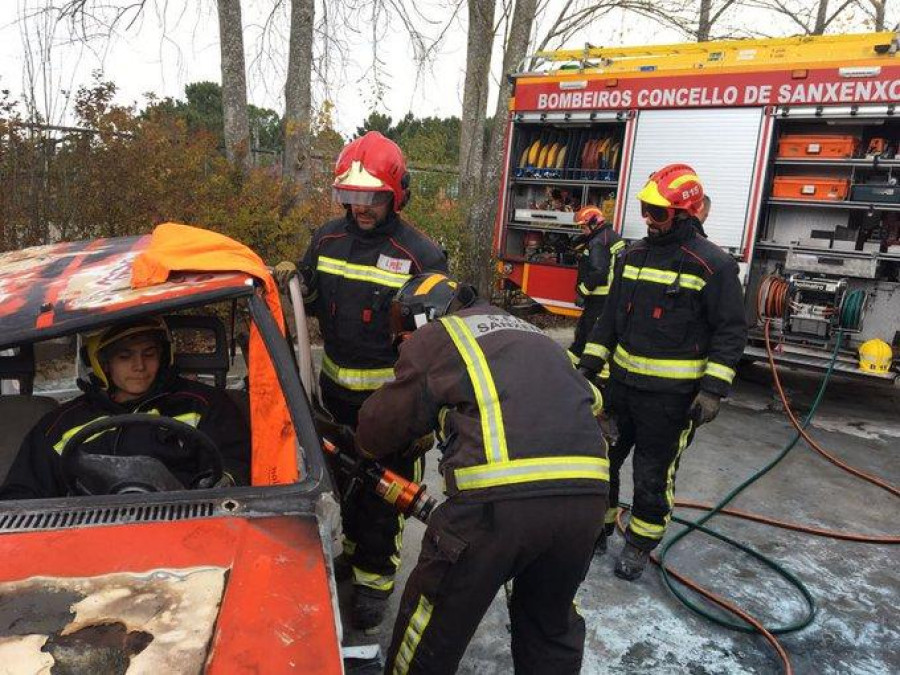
column 350, row 272
column 598, row 250
column 525, row 472
column 132, row 371
column 673, row 331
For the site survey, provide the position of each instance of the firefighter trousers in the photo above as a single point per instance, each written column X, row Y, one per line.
column 658, row 427
column 470, row 550
column 373, row 529
column 590, row 315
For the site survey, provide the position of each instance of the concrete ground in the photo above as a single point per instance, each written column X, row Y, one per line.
column 640, row 627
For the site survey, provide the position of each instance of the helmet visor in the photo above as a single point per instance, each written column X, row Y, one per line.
column 657, row 214
column 362, row 197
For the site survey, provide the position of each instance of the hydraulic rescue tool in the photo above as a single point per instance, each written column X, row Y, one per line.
column 409, row 498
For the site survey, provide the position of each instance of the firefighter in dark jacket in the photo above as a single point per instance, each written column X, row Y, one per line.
column 525, row 473
column 350, row 272
column 598, row 250
column 132, row 372
column 672, row 332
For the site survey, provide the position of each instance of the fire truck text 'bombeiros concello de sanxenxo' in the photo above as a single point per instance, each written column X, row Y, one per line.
column 796, row 140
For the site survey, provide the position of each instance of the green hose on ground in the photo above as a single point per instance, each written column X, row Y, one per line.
column 698, row 525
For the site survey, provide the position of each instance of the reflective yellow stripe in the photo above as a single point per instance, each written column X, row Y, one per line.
column 610, row 516
column 645, row 529
column 61, row 443
column 572, row 357
column 370, row 273
column 492, row 430
column 672, row 369
column 599, row 290
column 666, row 277
column 670, row 474
column 533, row 469
column 618, row 246
column 594, row 349
column 718, row 370
column 191, row 418
column 418, row 622
column 356, row 379
column 597, row 403
column 377, row 581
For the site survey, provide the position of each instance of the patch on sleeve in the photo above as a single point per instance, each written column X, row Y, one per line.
column 398, row 265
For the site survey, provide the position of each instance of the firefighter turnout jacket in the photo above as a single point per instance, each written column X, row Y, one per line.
column 356, row 275
column 596, row 262
column 674, row 320
column 36, row 472
column 513, row 417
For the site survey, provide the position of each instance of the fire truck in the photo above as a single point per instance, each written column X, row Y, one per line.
column 796, row 140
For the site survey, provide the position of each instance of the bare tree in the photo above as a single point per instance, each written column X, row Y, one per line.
column 481, row 216
column 475, row 93
column 811, row 18
column 234, row 83
column 298, row 94
column 876, row 11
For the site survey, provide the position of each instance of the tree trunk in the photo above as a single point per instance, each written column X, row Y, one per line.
column 298, row 95
column 878, row 9
column 480, row 219
column 703, row 23
column 821, row 18
column 234, row 83
column 475, row 91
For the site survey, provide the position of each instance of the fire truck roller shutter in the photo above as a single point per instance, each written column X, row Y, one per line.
column 719, row 143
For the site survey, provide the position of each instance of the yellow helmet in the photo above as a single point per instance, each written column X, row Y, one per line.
column 875, row 356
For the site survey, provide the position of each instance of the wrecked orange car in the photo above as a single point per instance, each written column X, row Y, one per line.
column 134, row 578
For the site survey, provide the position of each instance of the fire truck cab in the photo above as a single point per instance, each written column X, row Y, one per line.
column 796, row 141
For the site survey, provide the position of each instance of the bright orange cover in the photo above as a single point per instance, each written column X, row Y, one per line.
column 180, row 248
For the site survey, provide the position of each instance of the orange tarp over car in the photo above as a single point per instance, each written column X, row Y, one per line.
column 181, row 248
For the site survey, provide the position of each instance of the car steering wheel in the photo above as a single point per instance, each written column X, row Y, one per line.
column 96, row 474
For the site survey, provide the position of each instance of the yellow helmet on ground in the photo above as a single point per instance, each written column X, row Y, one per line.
column 875, row 356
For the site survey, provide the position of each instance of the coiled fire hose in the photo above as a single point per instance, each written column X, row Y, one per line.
column 748, row 623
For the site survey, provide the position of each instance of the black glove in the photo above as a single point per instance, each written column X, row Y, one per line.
column 705, row 407
column 587, row 373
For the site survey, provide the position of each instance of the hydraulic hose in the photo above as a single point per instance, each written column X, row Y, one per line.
column 751, row 624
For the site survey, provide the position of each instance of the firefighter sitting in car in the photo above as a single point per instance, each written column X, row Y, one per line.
column 132, row 372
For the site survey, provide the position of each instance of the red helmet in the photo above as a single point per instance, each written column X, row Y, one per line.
column 369, row 170
column 590, row 215
column 675, row 186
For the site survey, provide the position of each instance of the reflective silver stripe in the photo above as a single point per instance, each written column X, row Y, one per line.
column 370, row 273
column 718, row 370
column 492, row 430
column 515, row 471
column 594, row 349
column 418, row 622
column 666, row 277
column 673, row 369
column 357, row 379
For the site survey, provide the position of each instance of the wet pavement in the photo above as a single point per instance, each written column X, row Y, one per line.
column 641, row 628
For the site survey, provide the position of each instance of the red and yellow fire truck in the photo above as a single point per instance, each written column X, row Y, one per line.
column 796, row 142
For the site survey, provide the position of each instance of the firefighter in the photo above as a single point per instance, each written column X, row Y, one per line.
column 525, row 473
column 596, row 261
column 350, row 272
column 132, row 371
column 673, row 331
column 703, row 214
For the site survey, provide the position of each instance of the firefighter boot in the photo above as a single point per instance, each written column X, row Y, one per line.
column 369, row 607
column 631, row 562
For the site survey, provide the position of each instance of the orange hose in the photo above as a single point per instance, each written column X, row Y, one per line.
column 724, row 604
column 874, row 480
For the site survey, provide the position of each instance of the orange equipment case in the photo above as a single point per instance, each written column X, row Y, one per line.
column 824, row 146
column 816, row 188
